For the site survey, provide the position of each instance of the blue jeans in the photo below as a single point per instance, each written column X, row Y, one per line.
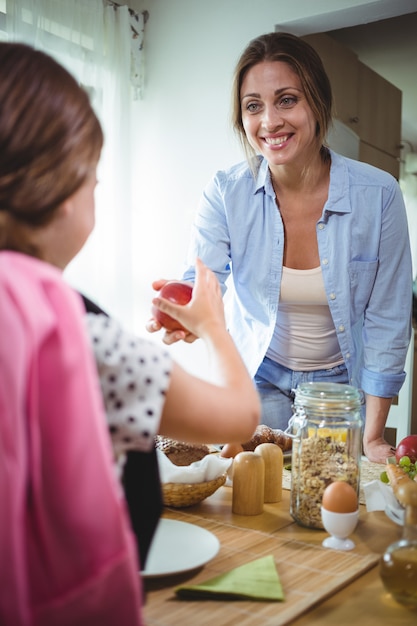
column 276, row 385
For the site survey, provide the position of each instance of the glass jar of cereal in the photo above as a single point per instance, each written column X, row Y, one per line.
column 326, row 428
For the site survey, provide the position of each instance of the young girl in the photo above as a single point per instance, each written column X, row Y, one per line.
column 67, row 551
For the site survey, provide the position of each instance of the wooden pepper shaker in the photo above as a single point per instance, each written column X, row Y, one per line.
column 273, row 459
column 248, row 484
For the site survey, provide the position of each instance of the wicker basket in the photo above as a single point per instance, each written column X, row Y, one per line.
column 186, row 494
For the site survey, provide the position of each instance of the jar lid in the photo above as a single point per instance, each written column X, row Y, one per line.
column 321, row 395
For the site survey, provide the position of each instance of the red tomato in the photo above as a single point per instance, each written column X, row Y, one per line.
column 407, row 447
column 178, row 293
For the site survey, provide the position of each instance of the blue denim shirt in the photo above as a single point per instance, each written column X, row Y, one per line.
column 364, row 253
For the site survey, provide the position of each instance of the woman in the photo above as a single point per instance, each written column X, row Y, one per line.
column 67, row 551
column 316, row 244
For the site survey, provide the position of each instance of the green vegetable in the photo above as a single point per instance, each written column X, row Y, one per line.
column 384, row 477
column 404, row 462
column 406, row 465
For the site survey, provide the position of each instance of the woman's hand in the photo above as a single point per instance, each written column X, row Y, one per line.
column 200, row 316
column 375, row 447
column 378, row 450
column 170, row 336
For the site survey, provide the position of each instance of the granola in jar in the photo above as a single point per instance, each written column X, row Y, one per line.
column 316, row 462
column 327, row 445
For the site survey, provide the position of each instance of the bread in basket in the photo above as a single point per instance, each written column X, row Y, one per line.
column 187, row 494
column 179, row 494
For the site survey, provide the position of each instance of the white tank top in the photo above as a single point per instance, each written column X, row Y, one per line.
column 304, row 337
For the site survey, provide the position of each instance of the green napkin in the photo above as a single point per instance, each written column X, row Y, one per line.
column 257, row 580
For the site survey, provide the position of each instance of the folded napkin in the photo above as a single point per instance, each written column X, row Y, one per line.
column 380, row 497
column 257, row 580
column 208, row 468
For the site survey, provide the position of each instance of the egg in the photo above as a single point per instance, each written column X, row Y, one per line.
column 230, row 450
column 340, row 497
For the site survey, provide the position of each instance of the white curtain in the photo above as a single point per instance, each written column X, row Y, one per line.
column 94, row 42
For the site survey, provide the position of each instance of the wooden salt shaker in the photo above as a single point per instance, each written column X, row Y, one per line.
column 248, row 484
column 274, row 461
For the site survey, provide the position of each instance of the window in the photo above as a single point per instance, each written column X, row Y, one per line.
column 93, row 40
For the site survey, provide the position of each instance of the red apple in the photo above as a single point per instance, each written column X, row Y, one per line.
column 407, row 447
column 177, row 292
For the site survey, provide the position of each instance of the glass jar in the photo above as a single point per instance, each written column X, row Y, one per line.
column 398, row 566
column 326, row 429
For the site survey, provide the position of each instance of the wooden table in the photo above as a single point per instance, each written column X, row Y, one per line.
column 321, row 586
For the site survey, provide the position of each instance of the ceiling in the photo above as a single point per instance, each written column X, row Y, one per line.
column 383, row 35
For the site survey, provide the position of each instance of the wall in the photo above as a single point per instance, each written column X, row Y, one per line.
column 181, row 126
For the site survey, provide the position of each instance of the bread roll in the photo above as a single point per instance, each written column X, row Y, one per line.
column 404, row 487
column 179, row 452
column 265, row 434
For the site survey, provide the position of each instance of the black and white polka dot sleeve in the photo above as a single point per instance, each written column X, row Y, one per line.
column 134, row 376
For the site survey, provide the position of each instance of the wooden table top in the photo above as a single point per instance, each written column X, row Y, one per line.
column 321, row 586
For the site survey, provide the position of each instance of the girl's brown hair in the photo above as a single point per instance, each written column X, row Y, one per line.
column 50, row 139
column 303, row 60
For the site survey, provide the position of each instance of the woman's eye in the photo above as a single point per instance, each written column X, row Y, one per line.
column 252, row 107
column 288, row 101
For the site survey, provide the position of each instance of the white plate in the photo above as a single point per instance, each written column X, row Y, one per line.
column 179, row 547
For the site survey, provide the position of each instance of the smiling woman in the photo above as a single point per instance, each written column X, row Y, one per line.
column 313, row 86
column 298, row 213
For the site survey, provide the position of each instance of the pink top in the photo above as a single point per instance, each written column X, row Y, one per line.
column 67, row 552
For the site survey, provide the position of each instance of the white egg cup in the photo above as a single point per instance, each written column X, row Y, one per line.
column 339, row 526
